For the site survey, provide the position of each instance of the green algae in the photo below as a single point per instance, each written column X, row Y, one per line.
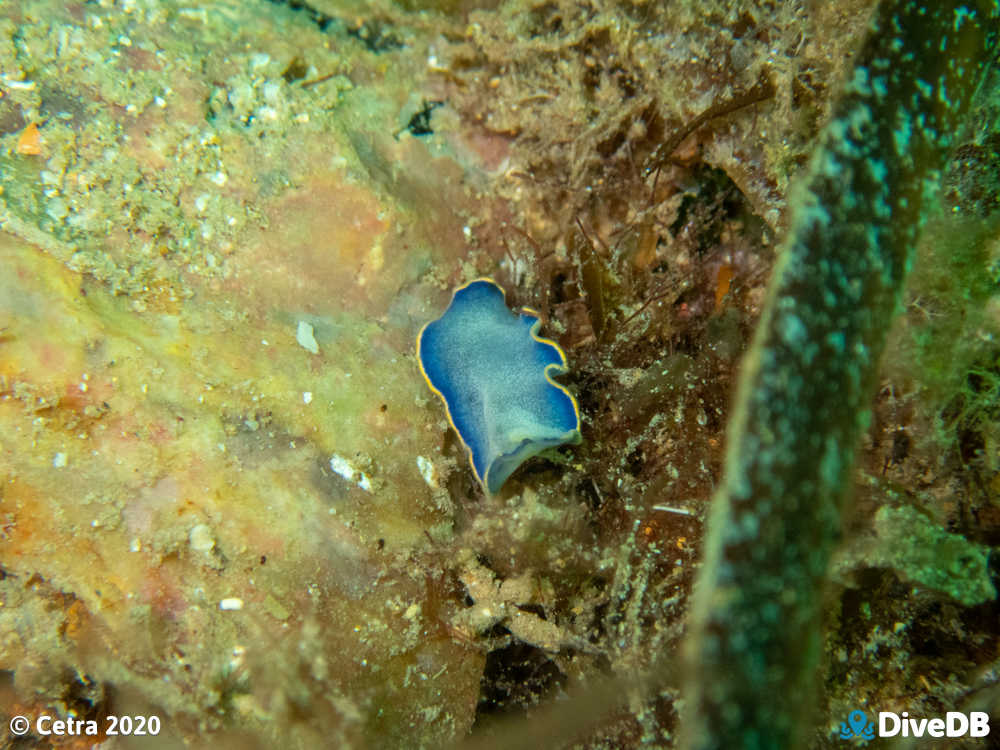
column 924, row 554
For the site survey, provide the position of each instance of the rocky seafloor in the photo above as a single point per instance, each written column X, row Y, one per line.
column 230, row 500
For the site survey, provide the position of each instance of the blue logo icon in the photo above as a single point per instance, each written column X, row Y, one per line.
column 857, row 726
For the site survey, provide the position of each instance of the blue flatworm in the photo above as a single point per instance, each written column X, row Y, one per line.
column 494, row 373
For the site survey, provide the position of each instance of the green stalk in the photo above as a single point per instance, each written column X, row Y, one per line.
column 755, row 636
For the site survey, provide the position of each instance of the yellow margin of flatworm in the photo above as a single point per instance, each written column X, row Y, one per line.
column 534, row 328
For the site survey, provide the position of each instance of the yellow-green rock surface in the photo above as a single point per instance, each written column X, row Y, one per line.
column 201, row 518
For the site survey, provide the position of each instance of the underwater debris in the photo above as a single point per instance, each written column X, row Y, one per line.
column 493, row 372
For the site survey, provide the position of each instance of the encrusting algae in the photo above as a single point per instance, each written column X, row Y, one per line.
column 231, row 502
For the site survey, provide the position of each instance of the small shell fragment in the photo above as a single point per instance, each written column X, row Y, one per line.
column 304, row 335
column 200, row 538
column 30, row 141
column 350, row 472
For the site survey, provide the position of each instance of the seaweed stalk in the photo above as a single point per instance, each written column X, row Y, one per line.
column 755, row 637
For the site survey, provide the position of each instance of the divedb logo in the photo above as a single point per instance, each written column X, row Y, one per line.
column 954, row 724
